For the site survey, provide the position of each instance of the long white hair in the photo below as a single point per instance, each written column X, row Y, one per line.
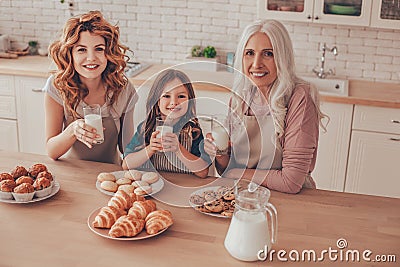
column 282, row 88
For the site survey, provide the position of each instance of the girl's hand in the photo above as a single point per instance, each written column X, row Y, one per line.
column 209, row 146
column 84, row 133
column 155, row 143
column 170, row 142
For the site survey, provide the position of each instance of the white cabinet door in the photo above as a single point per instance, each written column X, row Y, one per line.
column 30, row 113
column 9, row 135
column 330, row 169
column 373, row 166
column 386, row 14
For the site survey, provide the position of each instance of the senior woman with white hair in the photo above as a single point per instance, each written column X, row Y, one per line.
column 279, row 112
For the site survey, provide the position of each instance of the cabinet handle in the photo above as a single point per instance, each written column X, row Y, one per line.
column 395, row 121
column 316, row 18
column 394, row 139
column 37, row 90
column 309, row 17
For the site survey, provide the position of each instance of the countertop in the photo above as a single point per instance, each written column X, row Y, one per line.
column 360, row 92
column 54, row 232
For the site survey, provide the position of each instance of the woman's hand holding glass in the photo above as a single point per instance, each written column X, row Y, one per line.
column 84, row 133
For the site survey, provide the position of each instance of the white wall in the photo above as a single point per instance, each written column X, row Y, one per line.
column 163, row 31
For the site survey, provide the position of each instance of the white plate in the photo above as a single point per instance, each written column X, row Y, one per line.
column 200, row 192
column 54, row 190
column 156, row 187
column 104, row 232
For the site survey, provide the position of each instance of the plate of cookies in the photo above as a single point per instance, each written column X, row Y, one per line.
column 128, row 216
column 26, row 185
column 141, row 183
column 218, row 201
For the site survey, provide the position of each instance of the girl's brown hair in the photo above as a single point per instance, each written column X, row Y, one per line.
column 152, row 107
column 67, row 80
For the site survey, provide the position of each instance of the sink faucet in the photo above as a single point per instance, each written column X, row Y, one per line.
column 319, row 70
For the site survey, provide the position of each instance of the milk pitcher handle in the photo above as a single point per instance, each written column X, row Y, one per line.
column 274, row 221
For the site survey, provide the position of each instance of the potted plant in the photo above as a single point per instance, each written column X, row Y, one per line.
column 203, row 59
column 33, row 47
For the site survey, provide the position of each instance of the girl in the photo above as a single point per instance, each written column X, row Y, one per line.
column 170, row 98
column 90, row 62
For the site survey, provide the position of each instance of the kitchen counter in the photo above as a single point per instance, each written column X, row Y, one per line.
column 360, row 92
column 54, row 232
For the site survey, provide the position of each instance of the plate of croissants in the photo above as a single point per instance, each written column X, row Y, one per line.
column 128, row 216
column 26, row 185
column 140, row 182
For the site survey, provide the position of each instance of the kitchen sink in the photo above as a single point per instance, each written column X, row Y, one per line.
column 329, row 86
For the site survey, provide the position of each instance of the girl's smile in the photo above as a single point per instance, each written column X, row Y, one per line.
column 174, row 100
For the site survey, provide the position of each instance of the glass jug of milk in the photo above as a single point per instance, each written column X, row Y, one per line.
column 248, row 237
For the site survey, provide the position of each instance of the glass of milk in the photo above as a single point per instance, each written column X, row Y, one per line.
column 164, row 126
column 92, row 115
column 220, row 132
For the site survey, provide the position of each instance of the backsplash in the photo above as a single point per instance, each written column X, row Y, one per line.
column 163, row 31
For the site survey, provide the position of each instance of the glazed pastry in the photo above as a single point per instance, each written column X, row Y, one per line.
column 19, row 171
column 107, row 217
column 41, row 183
column 127, row 226
column 121, row 200
column 133, row 175
column 24, row 179
column 105, row 176
column 109, row 186
column 5, row 176
column 150, row 177
column 24, row 188
column 143, row 190
column 45, row 174
column 35, row 169
column 122, row 181
column 140, row 209
column 7, row 185
column 157, row 221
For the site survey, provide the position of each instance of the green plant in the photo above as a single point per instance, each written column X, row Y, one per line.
column 209, row 52
column 196, row 51
column 33, row 43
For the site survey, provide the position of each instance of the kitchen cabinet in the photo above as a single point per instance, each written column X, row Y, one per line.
column 386, row 14
column 330, row 168
column 374, row 152
column 317, row 11
column 8, row 114
column 31, row 117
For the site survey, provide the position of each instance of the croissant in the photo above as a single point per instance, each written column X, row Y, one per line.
column 126, row 225
column 121, row 200
column 140, row 209
column 158, row 220
column 107, row 217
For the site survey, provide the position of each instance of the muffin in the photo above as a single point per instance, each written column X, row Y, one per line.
column 23, row 192
column 6, row 187
column 35, row 169
column 24, row 179
column 42, row 187
column 6, row 176
column 45, row 174
column 19, row 171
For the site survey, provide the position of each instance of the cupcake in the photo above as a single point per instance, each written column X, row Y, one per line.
column 45, row 174
column 19, row 171
column 5, row 176
column 23, row 192
column 42, row 187
column 6, row 187
column 35, row 169
column 24, row 179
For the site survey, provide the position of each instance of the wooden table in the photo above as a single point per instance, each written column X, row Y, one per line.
column 54, row 232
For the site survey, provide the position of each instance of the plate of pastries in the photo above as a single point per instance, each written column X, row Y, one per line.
column 27, row 184
column 142, row 183
column 218, row 201
column 128, row 216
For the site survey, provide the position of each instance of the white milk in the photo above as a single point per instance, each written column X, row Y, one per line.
column 95, row 121
column 163, row 130
column 248, row 234
column 221, row 138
